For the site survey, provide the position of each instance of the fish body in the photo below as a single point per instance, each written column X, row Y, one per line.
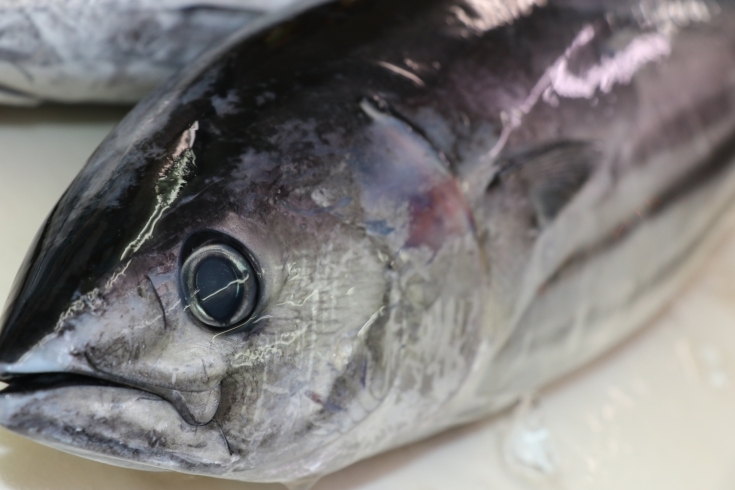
column 368, row 223
column 110, row 51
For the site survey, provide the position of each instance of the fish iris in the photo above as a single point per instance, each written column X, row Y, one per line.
column 219, row 289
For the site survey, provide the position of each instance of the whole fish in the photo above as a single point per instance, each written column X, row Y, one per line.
column 367, row 223
column 112, row 51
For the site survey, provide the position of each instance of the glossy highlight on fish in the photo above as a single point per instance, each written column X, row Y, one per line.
column 369, row 222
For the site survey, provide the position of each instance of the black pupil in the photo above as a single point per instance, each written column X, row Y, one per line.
column 219, row 291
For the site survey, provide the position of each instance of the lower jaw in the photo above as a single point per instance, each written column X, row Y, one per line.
column 114, row 425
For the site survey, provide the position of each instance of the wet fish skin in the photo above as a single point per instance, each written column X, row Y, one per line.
column 446, row 212
column 108, row 51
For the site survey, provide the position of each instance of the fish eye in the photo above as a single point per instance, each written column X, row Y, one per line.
column 219, row 286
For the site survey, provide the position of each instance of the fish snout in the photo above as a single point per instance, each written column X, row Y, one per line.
column 123, row 341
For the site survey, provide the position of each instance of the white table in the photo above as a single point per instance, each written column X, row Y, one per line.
column 658, row 413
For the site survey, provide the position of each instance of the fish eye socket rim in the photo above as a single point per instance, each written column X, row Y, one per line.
column 240, row 262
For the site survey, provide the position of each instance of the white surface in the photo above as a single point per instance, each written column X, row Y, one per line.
column 658, row 413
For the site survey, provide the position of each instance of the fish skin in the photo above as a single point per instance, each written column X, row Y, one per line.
column 109, row 51
column 446, row 212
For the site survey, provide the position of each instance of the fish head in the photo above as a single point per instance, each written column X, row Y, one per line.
column 246, row 282
column 182, row 313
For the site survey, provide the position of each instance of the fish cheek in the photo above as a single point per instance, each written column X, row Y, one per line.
column 315, row 366
column 363, row 384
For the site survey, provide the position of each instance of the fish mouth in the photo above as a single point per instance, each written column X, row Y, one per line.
column 112, row 423
column 25, row 383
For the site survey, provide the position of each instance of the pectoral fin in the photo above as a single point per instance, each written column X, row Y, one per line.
column 553, row 175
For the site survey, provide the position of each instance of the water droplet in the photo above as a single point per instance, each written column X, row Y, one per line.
column 703, row 361
column 713, row 366
column 528, row 448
